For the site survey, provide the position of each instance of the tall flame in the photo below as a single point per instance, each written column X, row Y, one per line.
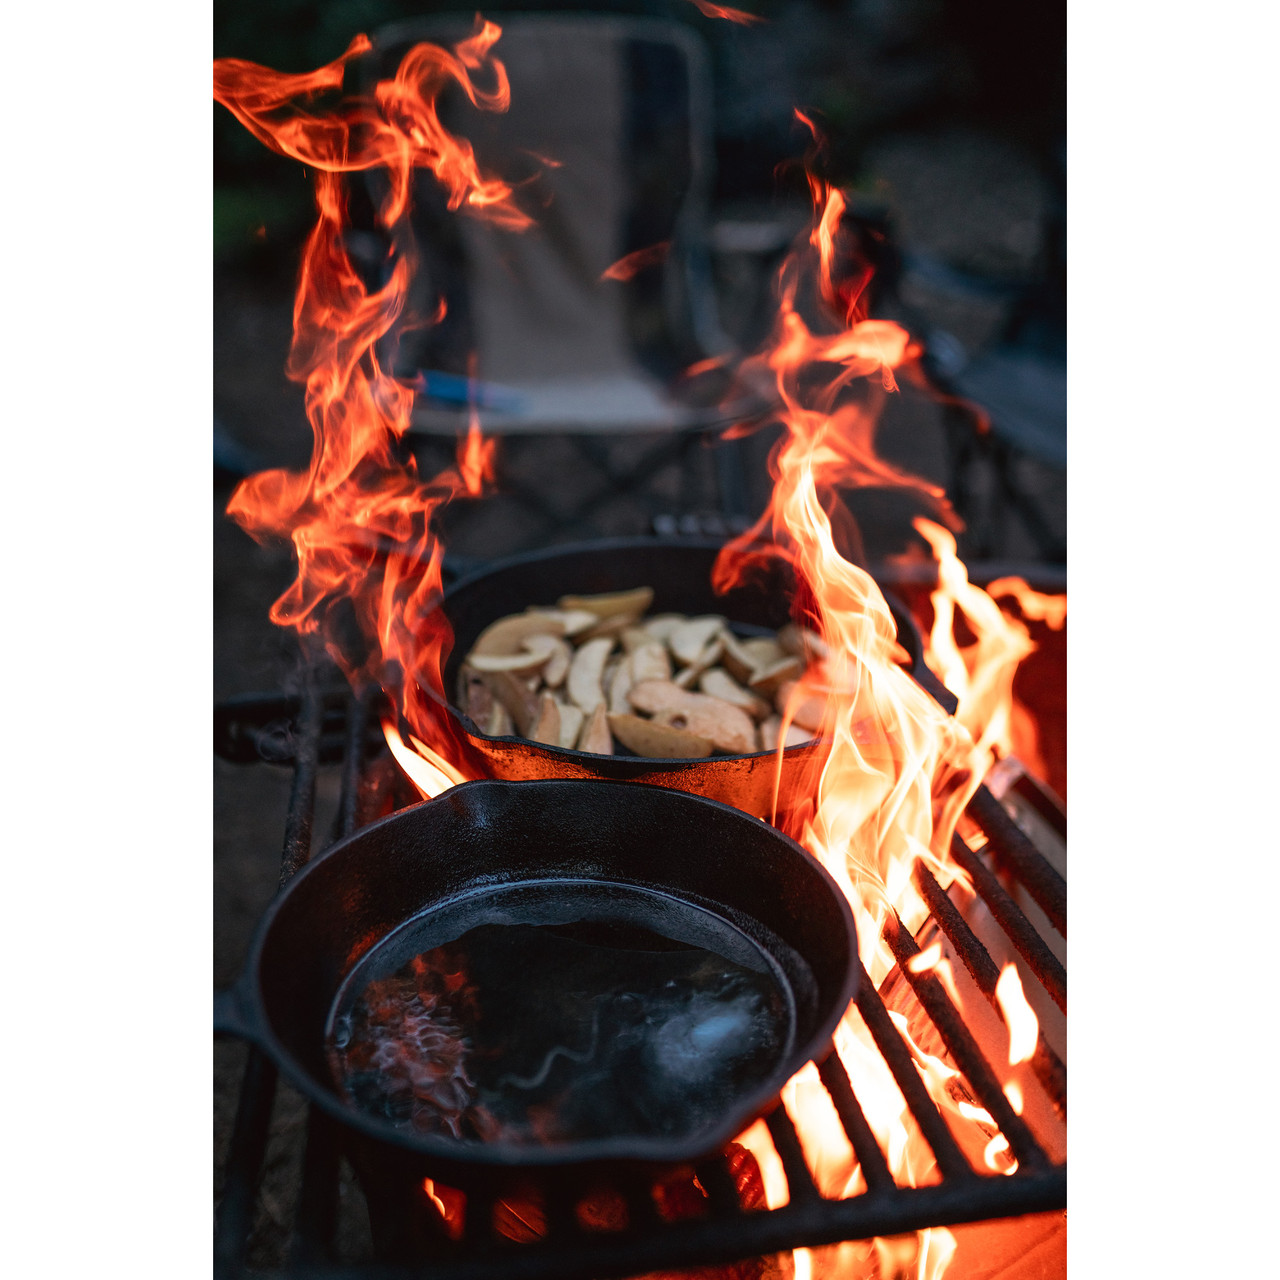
column 898, row 769
column 360, row 517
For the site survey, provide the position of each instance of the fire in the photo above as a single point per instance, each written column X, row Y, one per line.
column 360, row 517
column 898, row 770
column 1018, row 1016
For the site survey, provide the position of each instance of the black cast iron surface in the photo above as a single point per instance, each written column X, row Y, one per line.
column 724, row 1233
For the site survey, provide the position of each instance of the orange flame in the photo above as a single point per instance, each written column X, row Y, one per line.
column 739, row 16
column 360, row 518
column 629, row 266
column 897, row 770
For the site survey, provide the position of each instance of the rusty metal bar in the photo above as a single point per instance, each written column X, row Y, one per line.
column 1009, row 916
column 1046, row 1064
column 951, row 1160
column 316, row 1219
column 302, row 799
column 244, row 1165
column 718, row 1183
column 358, row 709
column 1013, row 847
column 963, row 1048
column 787, row 1142
column 875, row 1169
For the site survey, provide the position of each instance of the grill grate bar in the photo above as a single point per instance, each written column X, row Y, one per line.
column 875, row 1169
column 317, row 1214
column 1014, row 848
column 711, row 1242
column 786, row 1141
column 1009, row 916
column 302, row 800
column 358, row 709
column 951, row 1160
column 1046, row 1064
column 963, row 1048
column 244, row 1164
column 718, row 1183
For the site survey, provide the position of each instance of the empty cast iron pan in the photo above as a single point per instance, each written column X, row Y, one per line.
column 612, row 973
column 679, row 571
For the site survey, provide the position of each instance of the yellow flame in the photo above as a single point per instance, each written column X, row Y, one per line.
column 1019, row 1017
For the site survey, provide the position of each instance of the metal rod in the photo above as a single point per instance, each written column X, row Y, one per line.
column 1012, row 846
column 963, row 1048
column 1046, row 1064
column 703, row 1242
column 317, row 1215
column 875, row 1169
column 244, row 1164
column 1009, row 916
column 787, row 1141
column 302, row 799
column 718, row 1183
column 353, row 759
column 951, row 1160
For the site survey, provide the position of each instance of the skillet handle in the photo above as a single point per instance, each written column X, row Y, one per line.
column 233, row 1015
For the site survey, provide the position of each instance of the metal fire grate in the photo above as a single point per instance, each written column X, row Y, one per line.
column 334, row 727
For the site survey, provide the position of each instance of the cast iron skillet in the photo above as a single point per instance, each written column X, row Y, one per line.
column 476, row 842
column 679, row 571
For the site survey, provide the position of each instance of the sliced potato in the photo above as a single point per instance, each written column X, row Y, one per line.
column 571, row 719
column 720, row 684
column 727, row 727
column 661, row 625
column 546, row 728
column 767, row 679
column 595, row 736
column 508, row 634
column 657, row 741
column 610, row 603
column 650, row 662
column 519, row 700
column 557, row 667
column 584, row 682
column 690, row 638
column 499, row 724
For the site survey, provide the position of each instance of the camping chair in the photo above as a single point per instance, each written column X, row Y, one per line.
column 622, row 105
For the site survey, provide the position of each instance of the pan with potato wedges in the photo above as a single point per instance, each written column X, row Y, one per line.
column 618, row 660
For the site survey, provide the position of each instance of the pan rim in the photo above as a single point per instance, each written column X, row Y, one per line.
column 747, row 1107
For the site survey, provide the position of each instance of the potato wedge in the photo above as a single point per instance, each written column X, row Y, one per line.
column 584, row 681
column 657, row 741
column 520, row 701
column 508, row 634
column 546, row 728
column 690, row 638
column 595, row 736
column 609, row 604
column 720, row 684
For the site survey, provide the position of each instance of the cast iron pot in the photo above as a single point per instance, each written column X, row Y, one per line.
column 562, row 842
column 679, row 571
